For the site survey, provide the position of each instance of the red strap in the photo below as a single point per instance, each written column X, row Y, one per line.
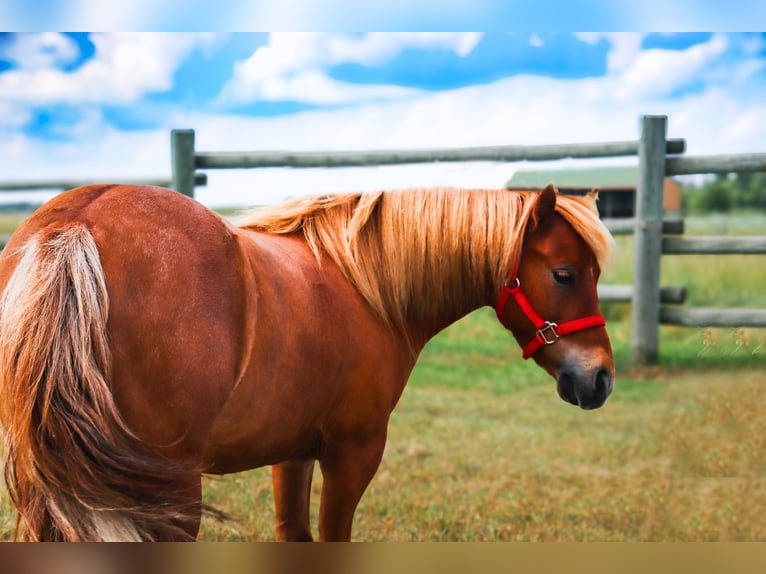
column 549, row 335
column 547, row 332
column 512, row 288
column 516, row 292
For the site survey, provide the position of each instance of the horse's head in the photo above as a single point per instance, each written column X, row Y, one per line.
column 550, row 304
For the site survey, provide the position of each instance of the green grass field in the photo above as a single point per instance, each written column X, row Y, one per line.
column 11, row 220
column 481, row 447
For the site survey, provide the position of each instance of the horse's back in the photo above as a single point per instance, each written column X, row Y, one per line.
column 173, row 275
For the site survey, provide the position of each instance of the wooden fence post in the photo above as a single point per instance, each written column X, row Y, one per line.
column 645, row 328
column 183, row 161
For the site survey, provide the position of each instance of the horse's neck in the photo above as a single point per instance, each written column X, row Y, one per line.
column 452, row 297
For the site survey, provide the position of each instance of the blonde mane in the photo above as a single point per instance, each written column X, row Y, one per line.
column 413, row 253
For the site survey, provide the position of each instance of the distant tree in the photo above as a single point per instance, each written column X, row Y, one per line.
column 744, row 191
column 717, row 196
column 754, row 190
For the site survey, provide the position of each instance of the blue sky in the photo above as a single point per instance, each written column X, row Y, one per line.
column 100, row 106
column 382, row 15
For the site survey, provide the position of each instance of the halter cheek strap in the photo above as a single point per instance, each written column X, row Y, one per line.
column 547, row 332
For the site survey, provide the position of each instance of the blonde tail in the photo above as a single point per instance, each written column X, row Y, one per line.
column 73, row 469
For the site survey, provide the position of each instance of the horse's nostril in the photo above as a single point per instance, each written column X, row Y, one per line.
column 603, row 383
column 587, row 389
column 566, row 388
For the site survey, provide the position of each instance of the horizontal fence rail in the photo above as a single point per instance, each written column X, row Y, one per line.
column 200, row 179
column 690, row 165
column 715, row 245
column 712, row 317
column 627, row 226
column 243, row 160
column 625, row 294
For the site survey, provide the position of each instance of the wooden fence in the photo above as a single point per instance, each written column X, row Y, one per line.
column 58, row 185
column 648, row 312
column 200, row 179
column 658, row 156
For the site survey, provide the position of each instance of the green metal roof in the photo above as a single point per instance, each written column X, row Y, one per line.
column 605, row 178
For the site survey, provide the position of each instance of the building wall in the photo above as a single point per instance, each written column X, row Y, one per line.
column 671, row 196
column 620, row 202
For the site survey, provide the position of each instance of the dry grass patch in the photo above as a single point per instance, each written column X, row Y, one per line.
column 682, row 460
column 677, row 458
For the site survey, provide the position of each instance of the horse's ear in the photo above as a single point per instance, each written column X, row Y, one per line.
column 545, row 205
column 593, row 197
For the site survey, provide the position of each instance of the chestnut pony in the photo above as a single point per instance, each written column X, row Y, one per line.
column 145, row 341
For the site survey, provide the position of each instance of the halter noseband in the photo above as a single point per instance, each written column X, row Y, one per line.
column 547, row 332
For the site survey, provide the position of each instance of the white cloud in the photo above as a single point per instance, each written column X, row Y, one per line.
column 312, row 87
column 36, row 51
column 12, row 115
column 520, row 110
column 291, row 66
column 377, row 47
column 659, row 72
column 124, row 68
column 624, row 47
column 15, row 146
column 747, row 125
column 754, row 45
column 656, row 73
column 717, row 121
column 725, row 118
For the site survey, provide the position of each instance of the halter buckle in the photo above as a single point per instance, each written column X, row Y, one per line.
column 549, row 330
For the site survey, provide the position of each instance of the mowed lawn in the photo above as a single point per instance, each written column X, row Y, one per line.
column 481, row 447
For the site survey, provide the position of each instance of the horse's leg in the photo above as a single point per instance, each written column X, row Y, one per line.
column 347, row 469
column 292, row 488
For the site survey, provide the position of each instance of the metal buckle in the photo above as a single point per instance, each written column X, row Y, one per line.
column 551, row 328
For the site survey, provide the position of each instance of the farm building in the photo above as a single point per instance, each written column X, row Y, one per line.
column 617, row 187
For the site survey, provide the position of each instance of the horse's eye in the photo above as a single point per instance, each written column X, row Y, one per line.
column 564, row 276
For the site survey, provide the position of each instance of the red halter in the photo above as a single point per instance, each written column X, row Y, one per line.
column 547, row 332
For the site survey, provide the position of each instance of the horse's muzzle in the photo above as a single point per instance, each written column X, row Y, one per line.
column 586, row 389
